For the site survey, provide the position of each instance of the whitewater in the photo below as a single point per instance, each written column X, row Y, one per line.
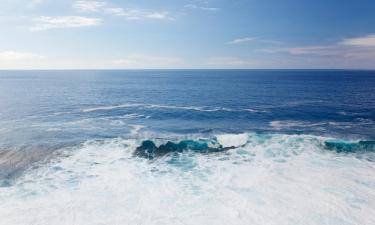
column 269, row 179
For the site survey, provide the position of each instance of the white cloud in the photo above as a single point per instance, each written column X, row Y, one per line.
column 254, row 39
column 89, row 6
column 242, row 40
column 130, row 14
column 350, row 48
column 115, row 11
column 348, row 53
column 194, row 6
column 137, row 14
column 306, row 50
column 139, row 61
column 156, row 15
column 14, row 56
column 46, row 22
column 314, row 50
column 366, row 41
column 210, row 8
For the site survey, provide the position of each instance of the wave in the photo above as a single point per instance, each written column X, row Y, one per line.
column 135, row 129
column 350, row 147
column 128, row 116
column 221, row 143
column 152, row 148
column 158, row 106
column 286, row 124
column 346, row 113
column 255, row 110
column 296, row 124
column 110, row 107
column 104, row 182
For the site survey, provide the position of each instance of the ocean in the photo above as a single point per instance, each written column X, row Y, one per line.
column 187, row 147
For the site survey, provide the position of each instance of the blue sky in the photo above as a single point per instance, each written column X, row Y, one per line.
column 114, row 34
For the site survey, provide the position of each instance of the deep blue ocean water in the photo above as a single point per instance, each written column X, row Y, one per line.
column 59, row 106
column 67, row 140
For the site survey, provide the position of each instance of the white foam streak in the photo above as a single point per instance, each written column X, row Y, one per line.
column 295, row 124
column 278, row 125
column 157, row 106
column 232, row 140
column 136, row 129
column 110, row 107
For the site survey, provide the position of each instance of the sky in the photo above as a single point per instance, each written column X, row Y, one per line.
column 187, row 34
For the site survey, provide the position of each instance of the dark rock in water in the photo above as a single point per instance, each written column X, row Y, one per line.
column 149, row 150
column 350, row 147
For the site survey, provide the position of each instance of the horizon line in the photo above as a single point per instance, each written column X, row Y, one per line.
column 150, row 69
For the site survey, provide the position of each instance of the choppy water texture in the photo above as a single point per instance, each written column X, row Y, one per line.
column 187, row 147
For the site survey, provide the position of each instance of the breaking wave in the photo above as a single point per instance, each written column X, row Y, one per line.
column 224, row 179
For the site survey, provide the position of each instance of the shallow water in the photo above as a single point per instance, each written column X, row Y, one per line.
column 247, row 147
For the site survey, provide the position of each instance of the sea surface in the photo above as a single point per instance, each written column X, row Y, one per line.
column 187, row 147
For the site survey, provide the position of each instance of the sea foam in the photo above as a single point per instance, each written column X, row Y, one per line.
column 268, row 179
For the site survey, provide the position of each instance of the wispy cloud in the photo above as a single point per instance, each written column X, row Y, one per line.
column 137, row 14
column 130, row 14
column 347, row 47
column 347, row 53
column 258, row 40
column 305, row 50
column 89, row 6
column 137, row 61
column 15, row 55
column 47, row 22
column 205, row 8
column 366, row 41
column 241, row 40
